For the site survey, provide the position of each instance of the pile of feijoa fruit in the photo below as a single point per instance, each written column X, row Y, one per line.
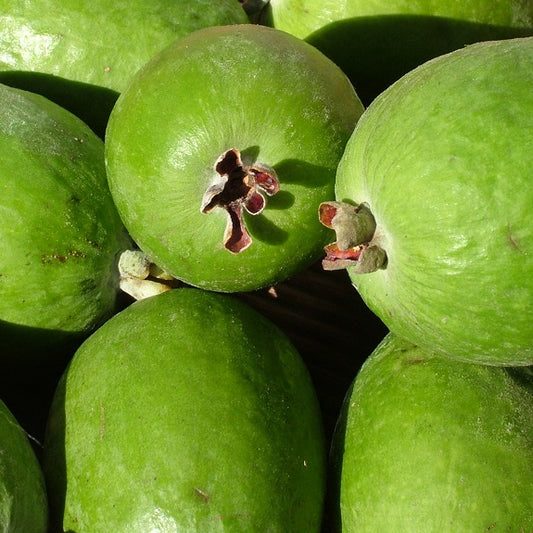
column 266, row 266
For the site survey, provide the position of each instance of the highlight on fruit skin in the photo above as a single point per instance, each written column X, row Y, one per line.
column 442, row 166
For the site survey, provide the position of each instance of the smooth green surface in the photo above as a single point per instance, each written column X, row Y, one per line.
column 82, row 54
column 61, row 232
column 428, row 445
column 376, row 42
column 264, row 92
column 443, row 159
column 188, row 411
column 23, row 501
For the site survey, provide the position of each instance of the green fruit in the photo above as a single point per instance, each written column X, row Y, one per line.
column 204, row 136
column 441, row 163
column 23, row 501
column 187, row 411
column 82, row 55
column 61, row 233
column 428, row 444
column 377, row 42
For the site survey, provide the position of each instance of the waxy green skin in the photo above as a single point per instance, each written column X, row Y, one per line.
column 23, row 500
column 428, row 444
column 274, row 98
column 61, row 234
column 443, row 162
column 189, row 411
column 82, row 54
column 376, row 42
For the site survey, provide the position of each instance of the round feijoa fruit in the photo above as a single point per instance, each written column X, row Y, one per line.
column 187, row 411
column 60, row 234
column 23, row 500
column 220, row 151
column 434, row 198
column 425, row 443
column 82, row 54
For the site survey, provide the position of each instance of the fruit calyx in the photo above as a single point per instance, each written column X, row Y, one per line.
column 354, row 227
column 239, row 187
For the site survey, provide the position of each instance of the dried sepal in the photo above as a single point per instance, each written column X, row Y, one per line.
column 353, row 224
column 236, row 236
column 354, row 227
column 238, row 188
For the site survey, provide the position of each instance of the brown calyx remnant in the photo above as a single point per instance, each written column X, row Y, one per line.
column 240, row 188
column 354, row 226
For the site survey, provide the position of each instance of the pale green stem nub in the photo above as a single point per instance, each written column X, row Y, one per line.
column 135, row 268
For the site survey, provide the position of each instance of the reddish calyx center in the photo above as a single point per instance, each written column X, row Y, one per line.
column 240, row 188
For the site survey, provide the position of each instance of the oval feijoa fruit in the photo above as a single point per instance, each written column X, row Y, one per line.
column 82, row 55
column 430, row 444
column 61, row 234
column 23, row 500
column 441, row 162
column 220, row 151
column 189, row 411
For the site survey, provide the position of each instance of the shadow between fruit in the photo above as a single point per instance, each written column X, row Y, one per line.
column 90, row 103
column 33, row 360
column 376, row 51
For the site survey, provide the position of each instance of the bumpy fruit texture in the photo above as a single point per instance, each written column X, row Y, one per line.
column 188, row 411
column 82, row 54
column 243, row 90
column 23, row 500
column 61, row 234
column 376, row 42
column 428, row 444
column 443, row 161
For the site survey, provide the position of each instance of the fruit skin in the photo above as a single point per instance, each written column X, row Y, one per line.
column 23, row 500
column 377, row 42
column 191, row 411
column 82, row 54
column 271, row 96
column 442, row 162
column 428, row 444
